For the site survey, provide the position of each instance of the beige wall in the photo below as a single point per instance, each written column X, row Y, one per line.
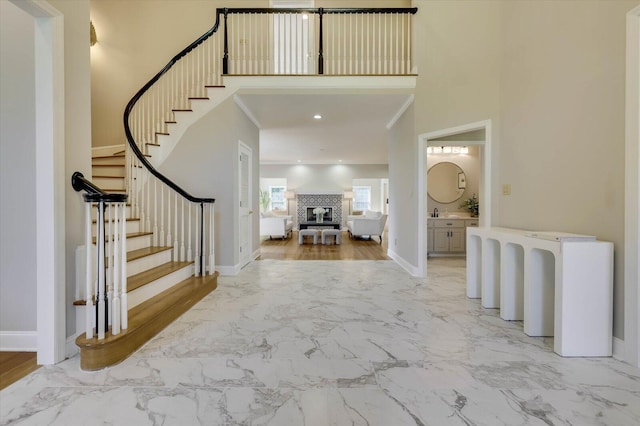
column 551, row 77
column 562, row 108
column 205, row 164
column 135, row 40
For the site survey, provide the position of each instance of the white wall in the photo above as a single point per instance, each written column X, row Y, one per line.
column 17, row 171
column 322, row 178
column 77, row 157
column 205, row 164
column 403, row 197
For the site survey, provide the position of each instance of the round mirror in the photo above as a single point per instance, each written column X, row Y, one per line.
column 446, row 182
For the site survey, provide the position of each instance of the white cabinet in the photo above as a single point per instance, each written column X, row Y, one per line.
column 448, row 235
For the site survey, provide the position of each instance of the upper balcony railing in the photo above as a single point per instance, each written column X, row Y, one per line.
column 346, row 41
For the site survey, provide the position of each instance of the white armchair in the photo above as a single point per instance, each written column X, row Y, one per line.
column 370, row 224
column 275, row 225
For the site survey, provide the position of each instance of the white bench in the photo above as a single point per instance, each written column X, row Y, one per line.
column 308, row 233
column 328, row 233
column 558, row 284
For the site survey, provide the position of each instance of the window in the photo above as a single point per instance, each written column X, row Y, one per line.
column 276, row 195
column 362, row 198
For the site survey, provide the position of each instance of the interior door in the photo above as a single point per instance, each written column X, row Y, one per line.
column 245, row 210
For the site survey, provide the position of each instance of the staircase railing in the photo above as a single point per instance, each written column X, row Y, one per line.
column 333, row 41
column 107, row 293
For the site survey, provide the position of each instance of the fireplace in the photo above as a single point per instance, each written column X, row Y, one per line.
column 332, row 203
column 327, row 217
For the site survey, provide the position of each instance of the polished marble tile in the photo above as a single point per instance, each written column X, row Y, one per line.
column 335, row 343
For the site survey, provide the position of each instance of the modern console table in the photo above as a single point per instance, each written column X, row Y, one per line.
column 558, row 284
column 306, row 225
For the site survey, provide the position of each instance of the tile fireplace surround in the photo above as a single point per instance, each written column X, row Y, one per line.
column 319, row 200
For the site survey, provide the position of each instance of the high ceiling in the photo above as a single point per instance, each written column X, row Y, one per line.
column 352, row 129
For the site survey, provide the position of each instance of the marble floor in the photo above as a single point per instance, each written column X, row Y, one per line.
column 335, row 343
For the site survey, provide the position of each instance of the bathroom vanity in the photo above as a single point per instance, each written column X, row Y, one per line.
column 447, row 235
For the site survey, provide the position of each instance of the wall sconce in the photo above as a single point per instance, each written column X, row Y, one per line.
column 447, row 150
column 93, row 38
column 288, row 195
column 348, row 195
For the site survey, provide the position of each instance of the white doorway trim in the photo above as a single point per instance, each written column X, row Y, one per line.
column 50, row 180
column 485, row 181
column 632, row 193
column 245, row 212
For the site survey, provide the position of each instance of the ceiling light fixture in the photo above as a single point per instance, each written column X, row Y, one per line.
column 447, row 150
column 317, row 117
column 299, row 161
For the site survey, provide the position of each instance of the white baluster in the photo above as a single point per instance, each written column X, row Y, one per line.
column 101, row 271
column 211, row 241
column 87, row 273
column 175, row 236
column 109, row 270
column 155, row 212
column 162, row 241
column 168, row 241
column 115, row 301
column 189, row 250
column 197, row 262
column 182, row 252
column 124, row 314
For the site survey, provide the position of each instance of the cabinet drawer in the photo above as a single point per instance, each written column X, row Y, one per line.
column 448, row 223
column 473, row 222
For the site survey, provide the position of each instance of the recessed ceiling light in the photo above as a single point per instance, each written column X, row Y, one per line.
column 299, row 161
column 339, row 161
column 317, row 117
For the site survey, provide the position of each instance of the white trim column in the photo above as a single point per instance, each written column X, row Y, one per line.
column 632, row 193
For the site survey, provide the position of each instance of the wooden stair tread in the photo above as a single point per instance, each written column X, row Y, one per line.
column 183, row 110
column 152, row 144
column 214, row 86
column 106, row 219
column 150, row 275
column 160, row 133
column 107, row 177
column 108, row 156
column 145, row 321
column 122, row 166
column 199, row 98
column 146, row 251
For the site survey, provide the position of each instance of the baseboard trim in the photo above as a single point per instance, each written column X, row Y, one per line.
column 19, row 341
column 255, row 255
column 403, row 263
column 618, row 349
column 228, row 270
column 71, row 349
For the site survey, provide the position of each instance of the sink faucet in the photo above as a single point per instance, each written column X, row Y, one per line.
column 435, row 212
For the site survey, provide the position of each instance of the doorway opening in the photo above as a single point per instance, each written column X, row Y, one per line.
column 476, row 134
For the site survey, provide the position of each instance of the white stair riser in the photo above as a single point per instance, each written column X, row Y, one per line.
column 108, row 160
column 134, row 243
column 137, row 243
column 148, row 262
column 109, row 183
column 97, row 170
column 151, row 289
column 132, row 226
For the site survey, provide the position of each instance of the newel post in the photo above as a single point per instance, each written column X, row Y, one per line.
column 320, row 48
column 225, row 58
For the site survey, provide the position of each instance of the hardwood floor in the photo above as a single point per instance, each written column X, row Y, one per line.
column 16, row 365
column 350, row 249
